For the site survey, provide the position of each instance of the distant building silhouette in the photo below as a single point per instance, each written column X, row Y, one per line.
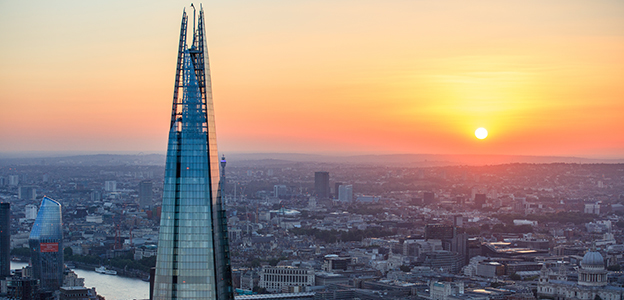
column 479, row 200
column 337, row 189
column 146, row 194
column 345, row 193
column 280, row 191
column 451, row 240
column 5, row 240
column 27, row 192
column 458, row 221
column 110, row 186
column 223, row 180
column 321, row 184
column 428, row 198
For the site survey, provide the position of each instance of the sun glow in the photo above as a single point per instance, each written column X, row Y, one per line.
column 481, row 133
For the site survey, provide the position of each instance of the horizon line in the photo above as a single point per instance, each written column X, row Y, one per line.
column 43, row 154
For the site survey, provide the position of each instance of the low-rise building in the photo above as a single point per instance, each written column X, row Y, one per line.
column 276, row 279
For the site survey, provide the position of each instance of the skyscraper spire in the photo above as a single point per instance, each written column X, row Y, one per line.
column 193, row 259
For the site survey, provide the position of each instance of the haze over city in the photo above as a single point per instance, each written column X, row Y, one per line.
column 341, row 77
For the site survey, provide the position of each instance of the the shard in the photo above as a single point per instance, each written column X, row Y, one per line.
column 193, row 259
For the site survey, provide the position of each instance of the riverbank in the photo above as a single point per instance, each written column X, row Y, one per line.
column 123, row 272
column 112, row 287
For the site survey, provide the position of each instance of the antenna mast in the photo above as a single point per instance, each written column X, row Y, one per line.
column 194, row 31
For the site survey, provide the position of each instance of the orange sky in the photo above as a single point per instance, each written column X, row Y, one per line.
column 544, row 77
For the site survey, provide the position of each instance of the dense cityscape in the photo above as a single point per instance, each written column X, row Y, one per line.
column 345, row 231
column 542, row 217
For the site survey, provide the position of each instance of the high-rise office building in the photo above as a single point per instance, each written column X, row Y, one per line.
column 458, row 221
column 280, row 191
column 337, row 189
column 145, row 193
column 30, row 211
column 223, row 164
column 46, row 245
column 110, row 186
column 321, row 184
column 27, row 193
column 193, row 260
column 345, row 193
column 479, row 200
column 13, row 179
column 5, row 240
column 428, row 198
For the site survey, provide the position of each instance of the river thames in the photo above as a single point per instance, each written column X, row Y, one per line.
column 112, row 287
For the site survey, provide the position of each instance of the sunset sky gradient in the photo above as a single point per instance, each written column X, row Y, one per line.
column 543, row 77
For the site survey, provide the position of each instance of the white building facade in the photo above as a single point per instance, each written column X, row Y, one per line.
column 277, row 279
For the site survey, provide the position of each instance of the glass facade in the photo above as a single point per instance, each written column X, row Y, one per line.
column 46, row 245
column 5, row 240
column 193, row 255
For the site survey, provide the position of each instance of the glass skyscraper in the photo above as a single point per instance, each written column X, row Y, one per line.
column 46, row 245
column 193, row 259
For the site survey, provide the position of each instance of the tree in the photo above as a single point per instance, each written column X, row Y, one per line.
column 68, row 251
column 255, row 263
column 614, row 268
column 405, row 268
column 23, row 251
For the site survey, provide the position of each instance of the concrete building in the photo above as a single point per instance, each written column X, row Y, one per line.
column 30, row 211
column 275, row 279
column 444, row 290
column 77, row 293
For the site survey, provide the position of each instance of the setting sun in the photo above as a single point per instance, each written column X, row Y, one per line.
column 481, row 133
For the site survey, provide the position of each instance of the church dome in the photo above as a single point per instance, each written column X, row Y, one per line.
column 593, row 259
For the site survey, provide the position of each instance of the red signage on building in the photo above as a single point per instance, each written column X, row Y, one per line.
column 49, row 247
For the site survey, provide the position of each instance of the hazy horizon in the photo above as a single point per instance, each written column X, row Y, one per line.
column 404, row 160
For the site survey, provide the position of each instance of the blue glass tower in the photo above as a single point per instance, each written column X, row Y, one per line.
column 46, row 245
column 193, row 259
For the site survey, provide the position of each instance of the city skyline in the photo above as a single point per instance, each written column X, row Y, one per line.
column 341, row 77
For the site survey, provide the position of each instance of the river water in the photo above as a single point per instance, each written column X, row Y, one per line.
column 112, row 287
